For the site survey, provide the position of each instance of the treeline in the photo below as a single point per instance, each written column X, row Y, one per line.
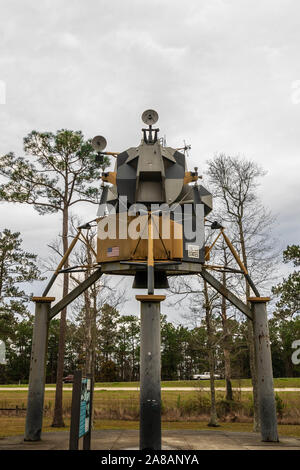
column 184, row 350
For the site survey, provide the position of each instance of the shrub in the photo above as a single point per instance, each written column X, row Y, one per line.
column 280, row 406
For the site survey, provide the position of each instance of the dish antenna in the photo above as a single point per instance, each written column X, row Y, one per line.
column 150, row 117
column 99, row 143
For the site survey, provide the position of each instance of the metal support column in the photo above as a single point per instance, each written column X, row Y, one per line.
column 266, row 398
column 37, row 374
column 150, row 372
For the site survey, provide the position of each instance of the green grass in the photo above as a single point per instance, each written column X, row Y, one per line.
column 13, row 426
column 293, row 382
column 120, row 410
column 125, row 404
column 290, row 382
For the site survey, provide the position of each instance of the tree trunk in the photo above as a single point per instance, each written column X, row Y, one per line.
column 94, row 328
column 226, row 348
column 250, row 340
column 250, row 337
column 213, row 422
column 88, row 330
column 89, row 314
column 58, row 420
column 133, row 361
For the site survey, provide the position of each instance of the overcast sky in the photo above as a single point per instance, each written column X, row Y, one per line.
column 223, row 74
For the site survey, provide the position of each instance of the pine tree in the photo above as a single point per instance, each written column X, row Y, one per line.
column 289, row 289
column 17, row 267
column 59, row 175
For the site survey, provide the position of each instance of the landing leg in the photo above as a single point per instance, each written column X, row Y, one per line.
column 266, row 396
column 35, row 403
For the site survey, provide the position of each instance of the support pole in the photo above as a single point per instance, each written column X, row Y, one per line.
column 62, row 262
column 150, row 372
column 37, row 374
column 150, row 258
column 65, row 301
column 219, row 287
column 239, row 262
column 266, row 398
column 75, row 410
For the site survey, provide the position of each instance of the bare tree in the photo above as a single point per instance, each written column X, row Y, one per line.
column 226, row 333
column 234, row 183
column 88, row 307
column 100, row 293
column 201, row 305
column 208, row 305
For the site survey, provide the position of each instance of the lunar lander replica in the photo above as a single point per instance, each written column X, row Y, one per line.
column 151, row 222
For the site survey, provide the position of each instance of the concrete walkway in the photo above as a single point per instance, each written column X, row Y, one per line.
column 172, row 440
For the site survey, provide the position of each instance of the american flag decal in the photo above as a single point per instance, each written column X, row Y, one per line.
column 113, row 251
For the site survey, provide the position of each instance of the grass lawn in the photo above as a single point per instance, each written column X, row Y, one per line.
column 119, row 399
column 119, row 409
column 290, row 382
column 13, row 426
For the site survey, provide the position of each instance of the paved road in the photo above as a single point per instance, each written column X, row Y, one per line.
column 164, row 389
column 171, row 440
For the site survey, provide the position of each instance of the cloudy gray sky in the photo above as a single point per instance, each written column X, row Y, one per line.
column 223, row 74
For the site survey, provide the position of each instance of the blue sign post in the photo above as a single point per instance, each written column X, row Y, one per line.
column 84, row 419
column 81, row 411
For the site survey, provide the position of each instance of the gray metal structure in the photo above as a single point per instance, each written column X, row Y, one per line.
column 266, row 398
column 151, row 173
column 150, row 371
column 37, row 374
